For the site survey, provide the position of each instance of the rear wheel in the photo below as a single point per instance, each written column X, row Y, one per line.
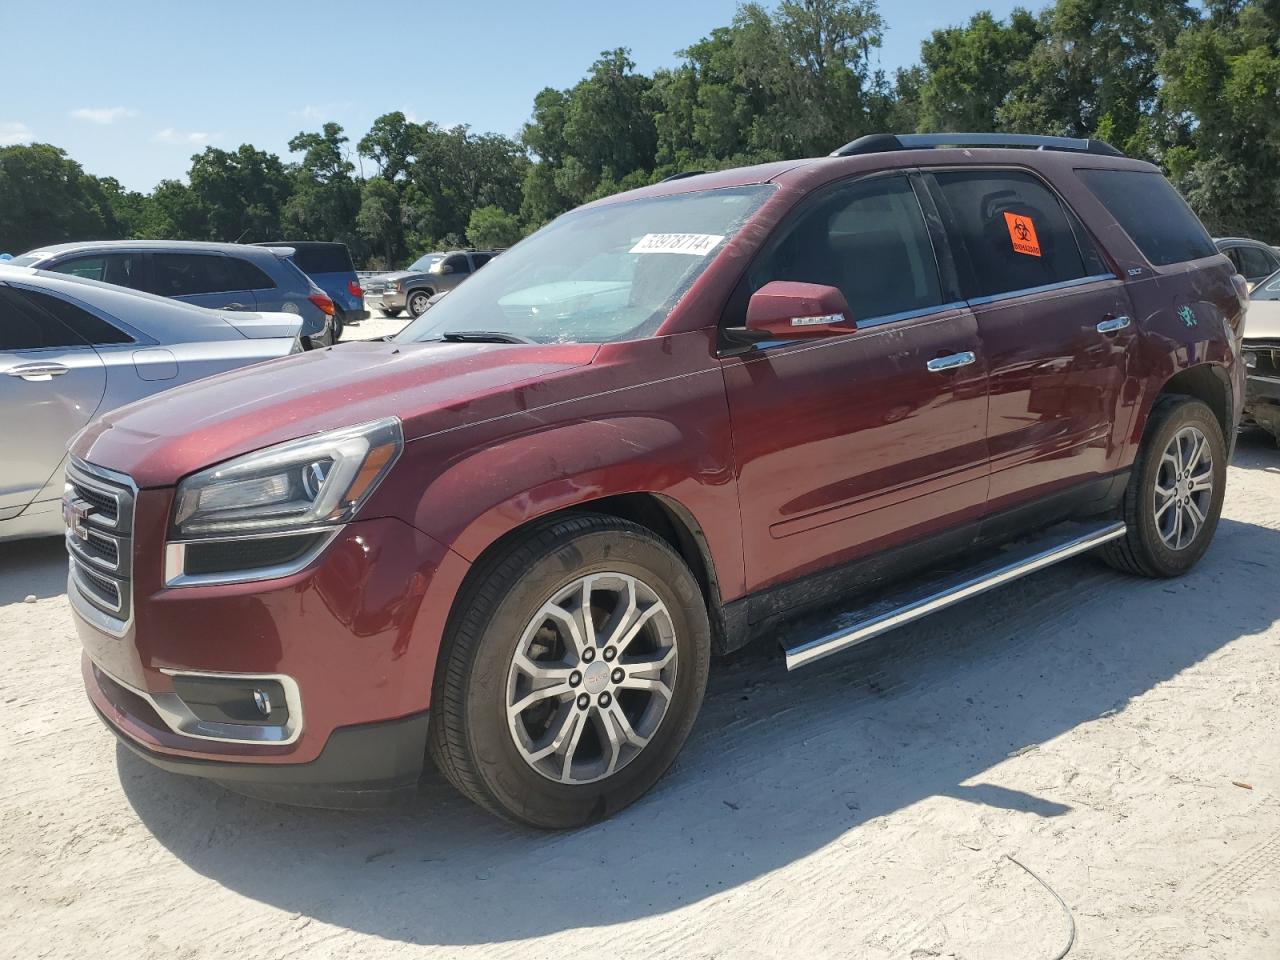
column 572, row 673
column 1174, row 498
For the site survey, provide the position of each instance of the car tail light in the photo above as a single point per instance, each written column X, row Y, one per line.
column 323, row 302
column 355, row 288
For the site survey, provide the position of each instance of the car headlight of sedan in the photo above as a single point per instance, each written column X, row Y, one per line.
column 317, row 481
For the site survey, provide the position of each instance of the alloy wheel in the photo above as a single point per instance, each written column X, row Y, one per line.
column 1184, row 488
column 592, row 678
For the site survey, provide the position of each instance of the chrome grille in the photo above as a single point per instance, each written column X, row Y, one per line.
column 98, row 509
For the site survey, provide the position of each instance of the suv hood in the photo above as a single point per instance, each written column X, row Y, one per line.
column 399, row 275
column 430, row 386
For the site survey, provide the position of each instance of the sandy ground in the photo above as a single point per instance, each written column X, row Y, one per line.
column 376, row 326
column 1119, row 737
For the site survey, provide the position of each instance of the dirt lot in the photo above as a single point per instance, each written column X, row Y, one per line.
column 1119, row 737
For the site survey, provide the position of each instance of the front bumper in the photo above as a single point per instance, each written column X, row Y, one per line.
column 1262, row 402
column 389, row 299
column 354, row 636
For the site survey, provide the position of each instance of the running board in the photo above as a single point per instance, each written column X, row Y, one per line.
column 850, row 628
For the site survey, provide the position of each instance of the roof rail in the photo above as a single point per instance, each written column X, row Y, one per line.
column 885, row 142
column 682, row 175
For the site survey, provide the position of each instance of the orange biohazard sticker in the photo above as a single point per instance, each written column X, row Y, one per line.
column 1022, row 231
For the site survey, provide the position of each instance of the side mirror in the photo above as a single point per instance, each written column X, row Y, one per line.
column 788, row 310
column 443, row 268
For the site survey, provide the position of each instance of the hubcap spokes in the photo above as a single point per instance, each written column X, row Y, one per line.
column 1184, row 488
column 592, row 678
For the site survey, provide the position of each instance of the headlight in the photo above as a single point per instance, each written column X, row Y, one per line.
column 318, row 480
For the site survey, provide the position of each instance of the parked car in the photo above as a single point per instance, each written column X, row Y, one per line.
column 222, row 276
column 839, row 394
column 72, row 349
column 1253, row 259
column 1262, row 357
column 330, row 268
column 412, row 289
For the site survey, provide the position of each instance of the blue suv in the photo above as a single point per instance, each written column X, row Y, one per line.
column 222, row 276
column 329, row 266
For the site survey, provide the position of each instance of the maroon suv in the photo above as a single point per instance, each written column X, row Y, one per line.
column 812, row 399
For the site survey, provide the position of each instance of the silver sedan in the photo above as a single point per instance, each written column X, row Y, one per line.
column 72, row 349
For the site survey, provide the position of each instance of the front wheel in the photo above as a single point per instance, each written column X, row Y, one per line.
column 419, row 302
column 1174, row 498
column 572, row 672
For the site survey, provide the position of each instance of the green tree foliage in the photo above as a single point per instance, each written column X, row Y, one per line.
column 1191, row 86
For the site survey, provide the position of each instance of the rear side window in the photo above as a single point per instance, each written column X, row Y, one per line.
column 93, row 329
column 22, row 327
column 122, row 269
column 1158, row 221
column 1015, row 230
column 870, row 240
column 247, row 276
column 480, row 259
column 458, row 262
column 324, row 259
column 187, row 274
column 1253, row 263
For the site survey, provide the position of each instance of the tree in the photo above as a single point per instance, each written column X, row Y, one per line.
column 45, row 198
column 325, row 199
column 390, row 144
column 240, row 195
column 493, row 228
column 379, row 221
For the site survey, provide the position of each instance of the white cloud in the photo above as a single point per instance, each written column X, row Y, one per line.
column 12, row 132
column 103, row 115
column 170, row 135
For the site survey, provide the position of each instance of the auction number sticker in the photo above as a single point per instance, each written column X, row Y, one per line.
column 1022, row 232
column 694, row 244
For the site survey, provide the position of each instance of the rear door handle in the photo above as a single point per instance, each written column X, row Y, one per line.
column 951, row 362
column 37, row 372
column 1113, row 324
column 234, row 306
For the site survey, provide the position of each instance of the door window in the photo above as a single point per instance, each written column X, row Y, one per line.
column 1017, row 234
column 122, row 269
column 458, row 262
column 188, row 274
column 22, row 327
column 480, row 259
column 91, row 328
column 1254, row 263
column 869, row 239
column 1158, row 221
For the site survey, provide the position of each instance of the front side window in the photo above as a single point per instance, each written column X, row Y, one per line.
column 869, row 239
column 1017, row 234
column 22, row 327
column 122, row 269
column 597, row 274
column 1158, row 221
column 188, row 274
column 1255, row 264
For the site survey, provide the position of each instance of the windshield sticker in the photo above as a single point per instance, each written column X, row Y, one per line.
column 1022, row 231
column 694, row 244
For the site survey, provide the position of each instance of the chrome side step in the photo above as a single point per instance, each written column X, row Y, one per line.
column 851, row 628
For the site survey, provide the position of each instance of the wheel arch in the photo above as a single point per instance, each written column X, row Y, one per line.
column 1209, row 383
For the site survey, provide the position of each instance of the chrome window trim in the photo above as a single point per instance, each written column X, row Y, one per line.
column 175, row 559
column 1043, row 288
column 177, row 716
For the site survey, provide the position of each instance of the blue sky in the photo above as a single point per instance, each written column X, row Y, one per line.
column 132, row 88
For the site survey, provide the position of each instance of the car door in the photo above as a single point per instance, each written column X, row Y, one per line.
column 204, row 279
column 1055, row 325
column 858, row 442
column 457, row 268
column 51, row 384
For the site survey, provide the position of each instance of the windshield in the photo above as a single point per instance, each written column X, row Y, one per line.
column 426, row 262
column 26, row 260
column 598, row 274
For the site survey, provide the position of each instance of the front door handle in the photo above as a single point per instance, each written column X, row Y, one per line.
column 1112, row 324
column 234, row 306
column 951, row 362
column 37, row 372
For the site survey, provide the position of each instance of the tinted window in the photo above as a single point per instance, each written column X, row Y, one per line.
column 329, row 258
column 1158, row 221
column 186, row 274
column 480, row 259
column 1017, row 234
column 247, row 276
column 458, row 262
column 870, row 240
column 122, row 269
column 22, row 327
column 1255, row 263
column 92, row 328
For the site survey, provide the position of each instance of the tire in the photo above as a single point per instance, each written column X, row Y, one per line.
column 338, row 325
column 418, row 302
column 491, row 757
column 391, row 311
column 1153, row 546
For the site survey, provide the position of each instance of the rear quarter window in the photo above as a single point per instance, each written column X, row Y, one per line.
column 1152, row 213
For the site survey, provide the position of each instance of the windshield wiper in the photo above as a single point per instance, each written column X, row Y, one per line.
column 482, row 336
